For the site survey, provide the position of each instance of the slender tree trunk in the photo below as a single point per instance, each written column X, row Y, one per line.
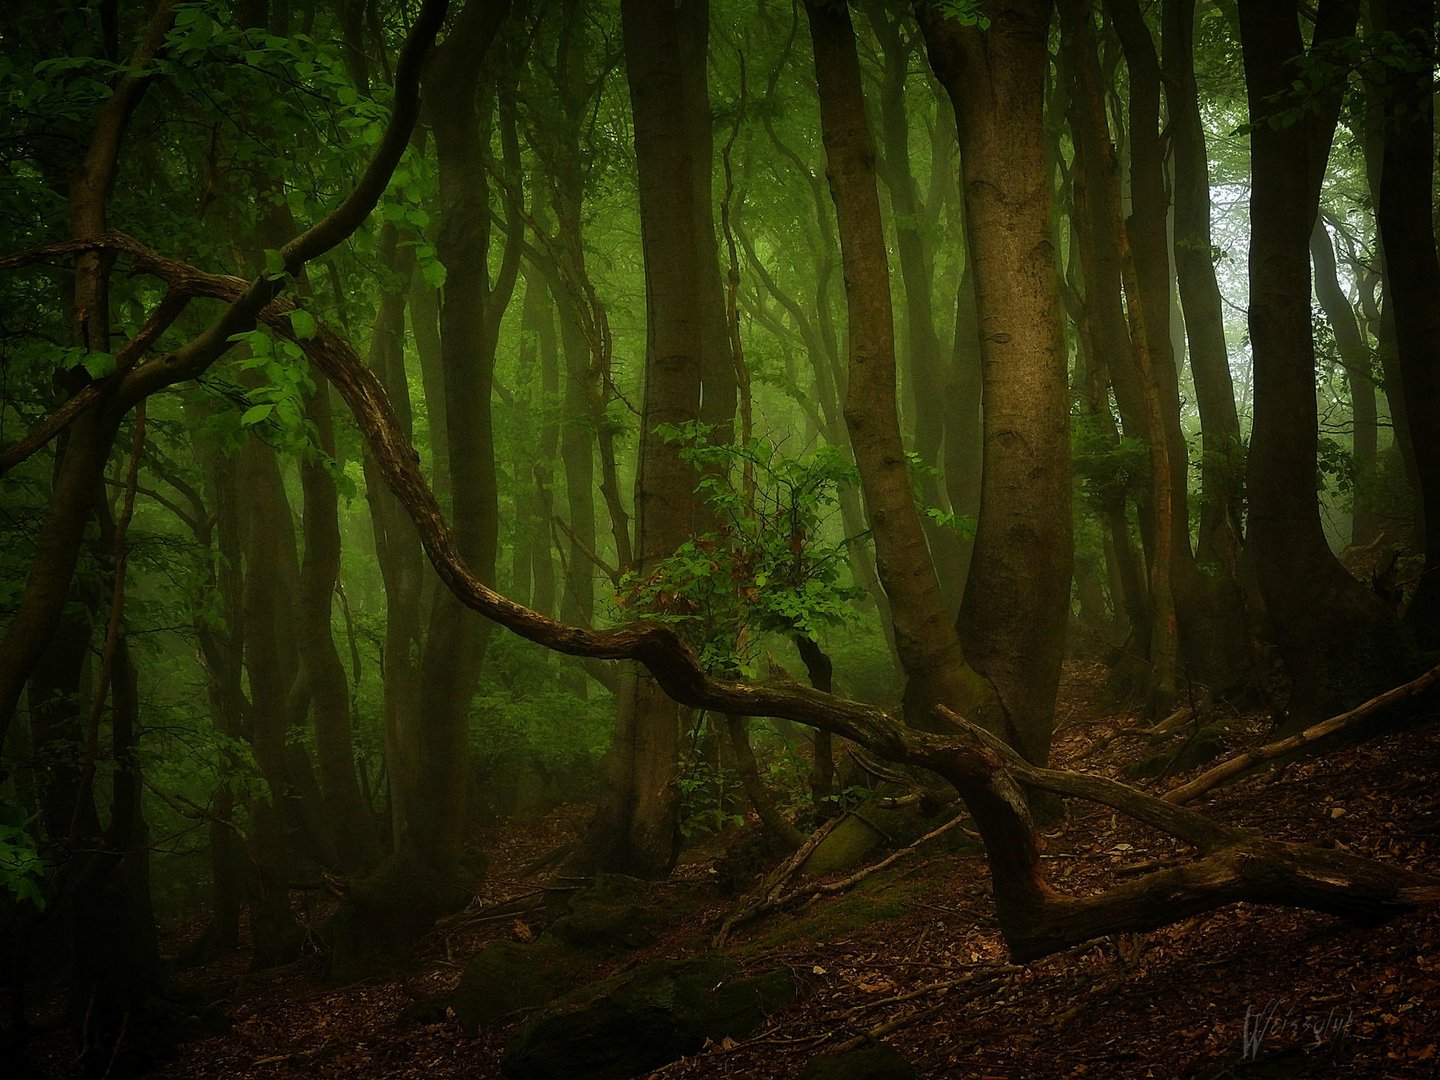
column 397, row 546
column 455, row 640
column 1105, row 333
column 963, row 420
column 542, row 562
column 577, row 452
column 1355, row 359
column 273, row 928
column 1387, row 353
column 923, row 369
column 349, row 817
column 925, row 640
column 1221, row 470
column 1118, row 318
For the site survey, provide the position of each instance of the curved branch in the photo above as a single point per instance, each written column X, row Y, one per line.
column 1236, row 864
column 39, row 436
column 200, row 352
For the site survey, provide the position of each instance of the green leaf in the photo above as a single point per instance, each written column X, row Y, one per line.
column 304, row 324
column 256, row 414
column 274, row 263
column 98, row 364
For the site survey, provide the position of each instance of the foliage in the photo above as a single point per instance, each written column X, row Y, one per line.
column 21, row 868
column 766, row 567
column 709, row 797
column 1110, row 470
column 526, row 715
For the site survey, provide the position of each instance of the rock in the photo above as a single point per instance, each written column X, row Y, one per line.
column 644, row 1018
column 501, row 978
column 878, row 1062
column 614, row 915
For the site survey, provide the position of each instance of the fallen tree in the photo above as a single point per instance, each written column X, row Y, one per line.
column 1240, row 764
column 1231, row 864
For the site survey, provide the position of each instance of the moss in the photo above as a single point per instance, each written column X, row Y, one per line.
column 501, row 978
column 615, row 915
column 879, row 898
column 864, row 832
column 644, row 1018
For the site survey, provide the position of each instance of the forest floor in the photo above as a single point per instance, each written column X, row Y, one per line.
column 914, row 955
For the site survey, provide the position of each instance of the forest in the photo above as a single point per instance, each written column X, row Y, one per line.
column 698, row 538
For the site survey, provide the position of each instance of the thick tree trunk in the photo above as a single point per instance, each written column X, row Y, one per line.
column 1407, row 226
column 1017, row 599
column 637, row 826
column 1337, row 640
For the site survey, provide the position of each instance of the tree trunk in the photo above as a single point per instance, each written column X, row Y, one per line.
column 397, row 546
column 637, row 826
column 1016, row 604
column 348, row 816
column 1407, row 226
column 274, row 930
column 1221, row 469
column 924, row 369
column 1355, row 359
column 1337, row 640
column 925, row 639
column 455, row 639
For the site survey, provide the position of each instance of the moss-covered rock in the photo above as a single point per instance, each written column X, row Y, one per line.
column 878, row 1062
column 501, row 978
column 1200, row 746
column 644, row 1018
column 615, row 915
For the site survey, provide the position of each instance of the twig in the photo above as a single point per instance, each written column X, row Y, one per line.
column 580, row 546
column 193, row 810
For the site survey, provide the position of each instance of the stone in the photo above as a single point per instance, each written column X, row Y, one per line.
column 644, row 1018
